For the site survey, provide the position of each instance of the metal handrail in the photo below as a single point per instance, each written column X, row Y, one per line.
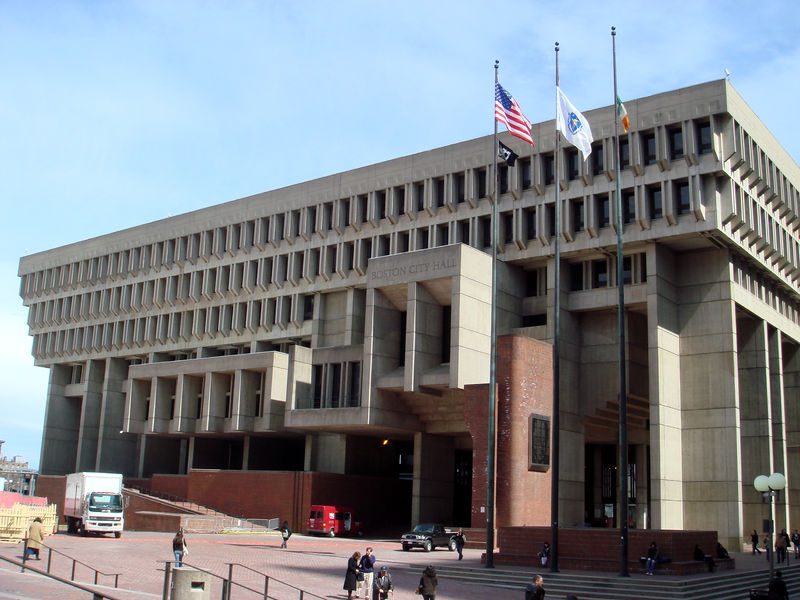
column 96, row 595
column 199, row 508
column 228, row 583
column 75, row 562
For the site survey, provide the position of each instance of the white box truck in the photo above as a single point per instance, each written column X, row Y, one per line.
column 94, row 503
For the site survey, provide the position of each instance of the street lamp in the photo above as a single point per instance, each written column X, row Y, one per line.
column 770, row 487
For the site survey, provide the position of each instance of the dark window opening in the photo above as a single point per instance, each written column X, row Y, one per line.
column 628, row 206
column 576, row 277
column 548, row 169
column 502, row 173
column 599, row 273
column 308, row 307
column 573, row 164
column 597, row 159
column 602, row 209
column 534, row 320
column 654, row 202
column 480, row 183
column 402, row 340
column 508, row 227
column 577, row 216
column 649, row 147
column 704, row 141
column 525, row 173
column 675, row 143
column 539, row 443
column 445, row 351
column 683, row 203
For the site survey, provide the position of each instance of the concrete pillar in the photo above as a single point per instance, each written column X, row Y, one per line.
column 61, row 425
column 663, row 338
column 779, row 425
column 190, row 454
column 90, row 415
column 424, row 334
column 755, row 411
column 116, row 452
column 432, row 489
column 246, row 453
column 791, row 396
column 326, row 452
column 712, row 478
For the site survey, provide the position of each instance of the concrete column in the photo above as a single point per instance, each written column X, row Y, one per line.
column 246, row 453
column 61, row 425
column 190, row 454
column 90, row 415
column 755, row 411
column 642, row 487
column 779, row 425
column 116, row 452
column 711, row 453
column 432, row 490
column 666, row 444
column 791, row 396
column 326, row 452
column 424, row 332
column 140, row 458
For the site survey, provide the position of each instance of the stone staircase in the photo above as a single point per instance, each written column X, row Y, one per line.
column 731, row 585
column 193, row 517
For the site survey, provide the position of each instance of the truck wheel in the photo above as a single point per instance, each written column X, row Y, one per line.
column 117, row 534
column 331, row 533
column 406, row 547
column 82, row 530
column 451, row 545
column 428, row 546
column 71, row 525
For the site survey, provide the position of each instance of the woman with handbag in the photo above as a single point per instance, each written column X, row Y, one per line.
column 179, row 547
column 351, row 576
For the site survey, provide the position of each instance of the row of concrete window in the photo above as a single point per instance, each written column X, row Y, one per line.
column 412, row 198
column 284, row 312
column 786, row 303
column 757, row 227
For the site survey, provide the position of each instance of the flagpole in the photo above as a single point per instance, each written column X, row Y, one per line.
column 556, row 359
column 623, row 397
column 490, row 447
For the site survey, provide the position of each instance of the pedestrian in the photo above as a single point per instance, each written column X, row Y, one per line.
column 652, row 557
column 382, row 588
column 179, row 548
column 796, row 542
column 460, row 539
column 754, row 542
column 286, row 533
column 777, row 588
column 351, row 576
column 35, row 539
column 535, row 589
column 780, row 548
column 428, row 583
column 544, row 555
column 768, row 545
column 367, row 567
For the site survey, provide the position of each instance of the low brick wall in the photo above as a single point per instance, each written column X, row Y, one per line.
column 598, row 549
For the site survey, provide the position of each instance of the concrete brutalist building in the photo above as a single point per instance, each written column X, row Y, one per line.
column 300, row 328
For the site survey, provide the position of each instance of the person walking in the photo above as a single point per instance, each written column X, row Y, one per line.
column 535, row 589
column 780, row 548
column 428, row 583
column 382, row 588
column 777, row 588
column 367, row 567
column 286, row 533
column 179, row 548
column 796, row 542
column 351, row 575
column 35, row 539
column 544, row 555
column 754, row 542
column 460, row 539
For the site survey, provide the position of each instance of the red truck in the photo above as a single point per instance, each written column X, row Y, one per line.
column 331, row 520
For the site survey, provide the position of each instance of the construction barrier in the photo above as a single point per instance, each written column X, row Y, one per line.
column 15, row 521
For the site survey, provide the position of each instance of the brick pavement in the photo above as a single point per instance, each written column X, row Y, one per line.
column 314, row 564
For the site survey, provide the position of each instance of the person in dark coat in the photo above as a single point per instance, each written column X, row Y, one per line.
column 382, row 585
column 286, row 533
column 428, row 583
column 544, row 555
column 460, row 539
column 754, row 542
column 652, row 559
column 777, row 588
column 351, row 577
column 535, row 589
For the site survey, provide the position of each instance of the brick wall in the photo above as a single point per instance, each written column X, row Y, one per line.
column 525, row 386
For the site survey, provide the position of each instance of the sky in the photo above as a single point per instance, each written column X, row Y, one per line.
column 119, row 113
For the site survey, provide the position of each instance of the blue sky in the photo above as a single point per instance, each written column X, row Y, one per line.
column 118, row 113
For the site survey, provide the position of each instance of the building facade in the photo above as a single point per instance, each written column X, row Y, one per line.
column 302, row 328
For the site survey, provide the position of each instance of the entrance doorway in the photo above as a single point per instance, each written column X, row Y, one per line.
column 462, row 488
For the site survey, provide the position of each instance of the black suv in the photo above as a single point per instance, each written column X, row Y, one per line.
column 428, row 536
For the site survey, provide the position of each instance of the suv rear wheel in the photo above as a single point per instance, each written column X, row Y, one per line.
column 406, row 547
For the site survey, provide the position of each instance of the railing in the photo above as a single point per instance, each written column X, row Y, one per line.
column 228, row 582
column 204, row 510
column 96, row 595
column 75, row 562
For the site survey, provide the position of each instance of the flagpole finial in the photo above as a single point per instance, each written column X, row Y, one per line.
column 556, row 46
column 496, row 64
column 613, row 30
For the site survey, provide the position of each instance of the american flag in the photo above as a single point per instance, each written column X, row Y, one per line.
column 507, row 111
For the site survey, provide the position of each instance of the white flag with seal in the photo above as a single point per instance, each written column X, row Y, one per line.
column 574, row 125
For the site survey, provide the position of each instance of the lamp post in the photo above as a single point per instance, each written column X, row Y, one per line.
column 770, row 487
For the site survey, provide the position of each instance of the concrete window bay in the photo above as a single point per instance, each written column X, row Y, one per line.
column 329, row 342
